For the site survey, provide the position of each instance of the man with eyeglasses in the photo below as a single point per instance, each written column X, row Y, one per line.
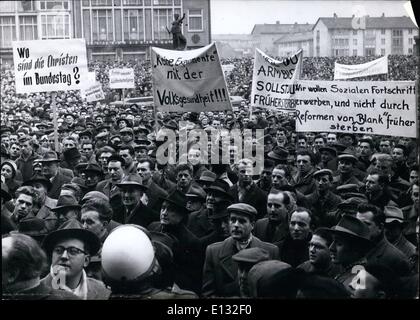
column 70, row 249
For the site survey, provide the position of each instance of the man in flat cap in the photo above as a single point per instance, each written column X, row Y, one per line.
column 346, row 167
column 394, row 226
column 220, row 273
column 246, row 259
column 323, row 200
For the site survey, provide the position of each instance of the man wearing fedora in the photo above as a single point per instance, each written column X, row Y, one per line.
column 23, row 262
column 173, row 220
column 44, row 203
column 383, row 252
column 220, row 272
column 133, row 198
column 93, row 174
column 67, row 208
column 328, row 158
column 349, row 248
column 217, row 199
column 70, row 249
column 51, row 170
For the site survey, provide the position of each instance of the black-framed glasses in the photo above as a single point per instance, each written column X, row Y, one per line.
column 72, row 251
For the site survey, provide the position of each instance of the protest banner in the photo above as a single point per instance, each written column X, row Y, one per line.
column 121, row 78
column 93, row 91
column 189, row 81
column 50, row 65
column 273, row 80
column 378, row 66
column 375, row 107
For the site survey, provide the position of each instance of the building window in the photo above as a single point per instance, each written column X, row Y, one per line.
column 355, row 42
column 7, row 31
column 410, row 31
column 55, row 26
column 25, row 6
column 397, row 41
column 162, row 2
column 382, row 52
column 7, row 6
column 410, row 50
column 162, row 19
column 382, row 31
column 101, row 3
column 132, row 2
column 54, row 5
column 354, row 52
column 195, row 20
column 383, row 41
column 410, row 41
column 28, row 28
column 355, row 32
column 102, row 29
column 133, row 25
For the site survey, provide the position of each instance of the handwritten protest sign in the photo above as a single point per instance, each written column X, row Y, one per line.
column 121, row 78
column 378, row 66
column 273, row 80
column 375, row 107
column 93, row 91
column 189, row 81
column 50, row 65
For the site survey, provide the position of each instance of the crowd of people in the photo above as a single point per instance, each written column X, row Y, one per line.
column 97, row 215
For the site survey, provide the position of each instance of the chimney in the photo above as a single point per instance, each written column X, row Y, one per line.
column 383, row 15
column 277, row 22
column 335, row 15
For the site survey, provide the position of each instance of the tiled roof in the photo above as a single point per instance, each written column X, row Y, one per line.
column 280, row 28
column 300, row 36
column 224, row 37
column 371, row 22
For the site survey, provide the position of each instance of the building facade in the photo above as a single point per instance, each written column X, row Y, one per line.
column 240, row 45
column 265, row 35
column 371, row 36
column 33, row 20
column 291, row 43
column 113, row 29
column 126, row 29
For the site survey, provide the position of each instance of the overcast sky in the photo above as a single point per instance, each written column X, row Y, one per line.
column 240, row 16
